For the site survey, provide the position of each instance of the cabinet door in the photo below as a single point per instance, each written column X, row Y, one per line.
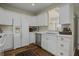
column 42, row 19
column 4, row 17
column 25, row 31
column 8, row 18
column 64, row 14
column 9, row 42
column 17, row 21
column 52, row 43
column 46, row 19
column 33, row 21
column 17, row 32
column 17, row 40
column 44, row 42
column 32, row 37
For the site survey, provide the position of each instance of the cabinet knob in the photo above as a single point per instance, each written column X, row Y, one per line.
column 62, row 45
column 62, row 39
column 61, row 53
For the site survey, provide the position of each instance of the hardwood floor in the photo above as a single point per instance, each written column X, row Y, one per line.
column 76, row 52
column 36, row 50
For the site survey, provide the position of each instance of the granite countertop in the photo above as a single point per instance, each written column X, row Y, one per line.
column 65, row 33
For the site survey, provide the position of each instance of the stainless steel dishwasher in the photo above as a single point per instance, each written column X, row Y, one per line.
column 38, row 39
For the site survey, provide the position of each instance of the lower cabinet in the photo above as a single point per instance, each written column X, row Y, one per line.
column 17, row 40
column 52, row 43
column 64, row 45
column 44, row 42
column 49, row 42
column 62, row 52
column 31, row 37
column 59, row 45
column 9, row 42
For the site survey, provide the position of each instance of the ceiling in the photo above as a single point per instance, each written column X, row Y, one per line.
column 38, row 7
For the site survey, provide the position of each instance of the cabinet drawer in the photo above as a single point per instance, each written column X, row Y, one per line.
column 64, row 39
column 63, row 52
column 64, row 45
column 51, row 36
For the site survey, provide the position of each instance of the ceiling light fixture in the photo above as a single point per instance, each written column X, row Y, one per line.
column 33, row 4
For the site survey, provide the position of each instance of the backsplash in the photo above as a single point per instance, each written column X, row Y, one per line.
column 66, row 26
column 38, row 28
column 43, row 28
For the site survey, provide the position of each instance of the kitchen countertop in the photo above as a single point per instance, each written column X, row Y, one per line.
column 65, row 35
column 52, row 32
column 47, row 32
column 41, row 32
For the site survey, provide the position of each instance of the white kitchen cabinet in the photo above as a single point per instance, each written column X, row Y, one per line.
column 31, row 37
column 20, row 29
column 4, row 17
column 52, row 43
column 64, row 45
column 17, row 40
column 9, row 42
column 49, row 42
column 17, row 20
column 44, row 42
column 39, row 20
column 42, row 19
column 65, row 14
column 25, row 31
column 17, row 31
column 33, row 21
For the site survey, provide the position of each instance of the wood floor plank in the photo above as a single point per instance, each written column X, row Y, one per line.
column 32, row 47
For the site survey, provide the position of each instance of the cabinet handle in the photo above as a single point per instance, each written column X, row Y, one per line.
column 62, row 45
column 62, row 39
column 61, row 53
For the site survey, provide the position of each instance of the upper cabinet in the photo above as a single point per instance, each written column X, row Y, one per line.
column 17, row 20
column 53, row 19
column 33, row 21
column 4, row 17
column 39, row 20
column 65, row 14
column 42, row 19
